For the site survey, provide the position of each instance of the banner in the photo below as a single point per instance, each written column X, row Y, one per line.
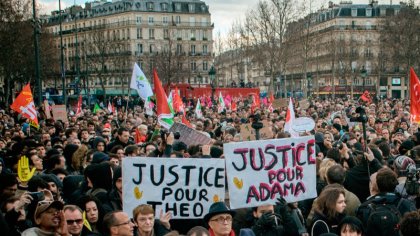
column 185, row 187
column 259, row 172
column 248, row 133
column 59, row 112
column 189, row 135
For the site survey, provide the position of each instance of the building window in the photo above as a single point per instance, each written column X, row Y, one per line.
column 178, row 19
column 151, row 33
column 139, row 33
column 192, row 21
column 204, row 21
column 165, row 33
column 192, row 49
column 353, row 12
column 205, row 35
column 164, row 6
column 151, row 20
column 138, row 20
column 140, row 48
column 193, row 66
column 368, row 25
column 192, row 34
column 205, row 49
column 151, row 47
column 205, row 66
column 178, row 49
column 369, row 12
column 191, row 7
column 150, row 6
column 165, row 20
column 178, row 7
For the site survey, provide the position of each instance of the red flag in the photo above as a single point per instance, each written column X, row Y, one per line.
column 24, row 104
column 177, row 101
column 233, row 106
column 271, row 98
column 162, row 108
column 366, row 97
column 414, row 96
column 185, row 121
column 79, row 106
column 137, row 137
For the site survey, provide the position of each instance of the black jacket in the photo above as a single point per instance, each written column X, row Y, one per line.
column 357, row 178
column 118, row 142
column 363, row 212
column 318, row 227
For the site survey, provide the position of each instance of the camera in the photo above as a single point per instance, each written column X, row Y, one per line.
column 37, row 196
column 343, row 139
column 412, row 184
column 361, row 117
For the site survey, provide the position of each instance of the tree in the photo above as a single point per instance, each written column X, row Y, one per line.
column 265, row 28
column 17, row 63
column 104, row 51
column 401, row 37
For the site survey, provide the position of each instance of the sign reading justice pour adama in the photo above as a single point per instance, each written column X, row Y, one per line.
column 259, row 172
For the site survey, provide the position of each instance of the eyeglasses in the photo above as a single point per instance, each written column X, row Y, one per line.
column 77, row 221
column 222, row 219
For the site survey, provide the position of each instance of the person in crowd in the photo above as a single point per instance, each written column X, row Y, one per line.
column 118, row 223
column 410, row 224
column 350, row 226
column 74, row 218
column 387, row 203
column 329, row 210
column 219, row 220
column 94, row 212
column 49, row 219
column 147, row 225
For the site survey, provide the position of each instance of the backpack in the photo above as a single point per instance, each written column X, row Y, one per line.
column 383, row 219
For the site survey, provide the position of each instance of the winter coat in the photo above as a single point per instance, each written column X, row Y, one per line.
column 330, row 226
column 357, row 178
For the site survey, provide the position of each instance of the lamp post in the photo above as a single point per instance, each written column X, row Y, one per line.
column 37, row 31
column 63, row 72
column 212, row 75
column 363, row 74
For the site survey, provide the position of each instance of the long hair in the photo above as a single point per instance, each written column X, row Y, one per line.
column 327, row 200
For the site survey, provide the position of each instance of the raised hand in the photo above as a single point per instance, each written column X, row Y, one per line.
column 164, row 219
column 24, row 172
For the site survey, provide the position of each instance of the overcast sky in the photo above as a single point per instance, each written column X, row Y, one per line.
column 223, row 12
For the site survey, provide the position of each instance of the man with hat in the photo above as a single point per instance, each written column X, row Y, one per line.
column 50, row 220
column 219, row 219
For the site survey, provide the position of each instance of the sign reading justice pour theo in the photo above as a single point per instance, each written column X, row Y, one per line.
column 259, row 172
column 184, row 187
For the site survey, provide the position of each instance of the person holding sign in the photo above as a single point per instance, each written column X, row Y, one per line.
column 147, row 225
column 219, row 219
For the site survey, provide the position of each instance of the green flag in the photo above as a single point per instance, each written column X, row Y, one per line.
column 96, row 108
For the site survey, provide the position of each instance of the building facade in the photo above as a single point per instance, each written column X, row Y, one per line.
column 338, row 51
column 102, row 41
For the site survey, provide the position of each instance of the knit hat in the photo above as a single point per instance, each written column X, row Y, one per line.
column 99, row 157
column 401, row 163
column 406, row 146
column 107, row 126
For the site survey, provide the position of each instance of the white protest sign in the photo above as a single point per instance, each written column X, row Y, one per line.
column 303, row 124
column 185, row 187
column 259, row 172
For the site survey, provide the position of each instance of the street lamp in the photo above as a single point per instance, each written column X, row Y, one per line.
column 63, row 72
column 37, row 31
column 212, row 75
column 363, row 73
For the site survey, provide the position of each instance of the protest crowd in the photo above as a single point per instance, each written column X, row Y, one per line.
column 65, row 176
